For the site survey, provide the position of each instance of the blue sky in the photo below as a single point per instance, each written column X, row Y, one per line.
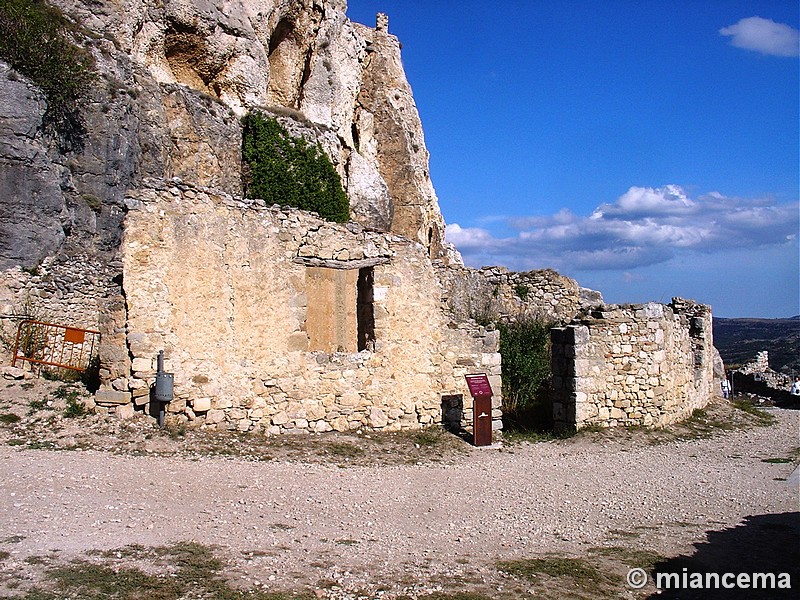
column 648, row 149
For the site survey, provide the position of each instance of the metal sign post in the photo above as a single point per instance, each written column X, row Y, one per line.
column 481, row 392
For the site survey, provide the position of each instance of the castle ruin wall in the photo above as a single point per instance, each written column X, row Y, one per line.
column 648, row 365
column 495, row 293
column 274, row 320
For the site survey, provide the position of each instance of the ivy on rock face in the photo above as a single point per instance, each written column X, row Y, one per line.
column 289, row 171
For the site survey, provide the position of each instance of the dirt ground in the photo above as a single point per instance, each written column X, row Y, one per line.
column 365, row 515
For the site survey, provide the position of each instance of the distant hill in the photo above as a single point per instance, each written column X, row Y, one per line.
column 739, row 340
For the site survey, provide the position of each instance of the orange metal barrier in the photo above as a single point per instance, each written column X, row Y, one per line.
column 54, row 345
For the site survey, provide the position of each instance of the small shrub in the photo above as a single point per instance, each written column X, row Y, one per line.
column 527, row 372
column 36, row 39
column 74, row 408
column 522, row 291
column 289, row 171
column 93, row 202
column 9, row 418
column 37, row 405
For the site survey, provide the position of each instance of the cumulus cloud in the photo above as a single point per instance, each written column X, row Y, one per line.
column 765, row 36
column 642, row 227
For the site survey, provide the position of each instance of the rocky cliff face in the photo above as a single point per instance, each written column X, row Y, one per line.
column 174, row 78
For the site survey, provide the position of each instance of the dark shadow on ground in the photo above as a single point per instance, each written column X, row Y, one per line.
column 760, row 544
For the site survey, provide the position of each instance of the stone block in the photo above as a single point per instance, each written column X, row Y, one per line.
column 280, row 418
column 201, row 405
column 297, row 342
column 340, row 424
column 13, row 373
column 124, row 411
column 215, row 416
column 377, row 418
column 112, row 397
column 142, row 364
column 322, row 427
column 350, row 399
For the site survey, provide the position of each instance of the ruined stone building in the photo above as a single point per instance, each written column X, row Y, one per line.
column 270, row 318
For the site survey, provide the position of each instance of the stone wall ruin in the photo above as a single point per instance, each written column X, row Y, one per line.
column 647, row 364
column 273, row 320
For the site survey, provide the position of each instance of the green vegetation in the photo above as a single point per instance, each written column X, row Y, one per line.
column 37, row 40
column 183, row 570
column 581, row 572
column 527, row 372
column 9, row 418
column 289, row 171
column 93, row 202
column 522, row 291
column 762, row 417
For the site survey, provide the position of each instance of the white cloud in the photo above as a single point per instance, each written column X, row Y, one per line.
column 644, row 226
column 765, row 36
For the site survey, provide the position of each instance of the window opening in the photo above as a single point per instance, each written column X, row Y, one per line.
column 364, row 309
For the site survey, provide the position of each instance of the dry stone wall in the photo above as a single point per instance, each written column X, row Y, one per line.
column 495, row 293
column 648, row 364
column 232, row 291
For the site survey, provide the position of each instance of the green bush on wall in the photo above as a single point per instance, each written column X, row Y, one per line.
column 35, row 41
column 289, row 171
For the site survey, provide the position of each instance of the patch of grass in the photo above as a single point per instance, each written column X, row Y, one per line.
column 762, row 417
column 74, row 409
column 429, row 436
column 624, row 533
column 344, row 450
column 642, row 559
column 40, row 445
column 91, row 581
column 37, row 405
column 14, row 539
column 65, row 375
column 577, row 569
column 9, row 418
column 183, row 570
column 779, row 461
column 16, row 442
column 93, row 202
column 517, row 436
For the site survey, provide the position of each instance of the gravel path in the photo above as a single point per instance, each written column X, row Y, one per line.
column 370, row 525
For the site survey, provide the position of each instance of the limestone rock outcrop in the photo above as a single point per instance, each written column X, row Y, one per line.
column 174, row 77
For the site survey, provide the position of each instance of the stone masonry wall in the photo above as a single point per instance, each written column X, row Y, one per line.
column 649, row 365
column 65, row 293
column 223, row 286
column 493, row 293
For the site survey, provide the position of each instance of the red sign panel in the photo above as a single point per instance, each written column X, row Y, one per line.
column 478, row 385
